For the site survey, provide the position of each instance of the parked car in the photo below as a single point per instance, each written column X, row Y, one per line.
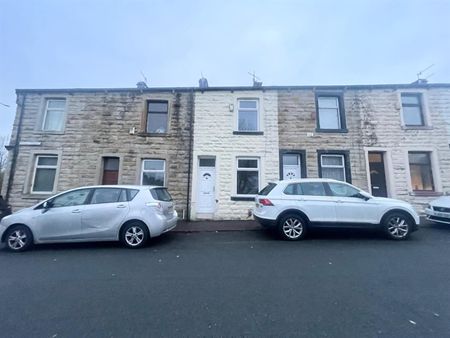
column 293, row 206
column 439, row 210
column 130, row 214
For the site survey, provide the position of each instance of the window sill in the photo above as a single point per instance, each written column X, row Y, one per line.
column 242, row 198
column 337, row 131
column 34, row 195
column 417, row 128
column 143, row 134
column 248, row 133
column 48, row 132
column 426, row 193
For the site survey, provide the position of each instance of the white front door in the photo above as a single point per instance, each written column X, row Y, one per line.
column 206, row 201
column 291, row 166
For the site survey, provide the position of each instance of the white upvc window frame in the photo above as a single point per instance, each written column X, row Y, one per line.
column 258, row 112
column 238, row 169
column 47, row 109
column 322, row 166
column 37, row 166
column 153, row 170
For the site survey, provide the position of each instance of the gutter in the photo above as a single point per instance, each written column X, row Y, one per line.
column 15, row 150
column 191, row 136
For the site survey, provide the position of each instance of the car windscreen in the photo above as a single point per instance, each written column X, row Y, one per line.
column 267, row 189
column 161, row 194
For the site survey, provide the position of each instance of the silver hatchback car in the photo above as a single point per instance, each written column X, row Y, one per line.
column 127, row 213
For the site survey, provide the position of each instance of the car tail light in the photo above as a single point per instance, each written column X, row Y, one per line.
column 156, row 205
column 265, row 201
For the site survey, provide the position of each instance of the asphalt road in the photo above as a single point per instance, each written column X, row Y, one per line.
column 351, row 284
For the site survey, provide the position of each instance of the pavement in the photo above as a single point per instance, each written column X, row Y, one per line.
column 232, row 283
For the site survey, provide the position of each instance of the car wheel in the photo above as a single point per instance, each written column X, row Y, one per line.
column 134, row 235
column 397, row 225
column 18, row 238
column 292, row 227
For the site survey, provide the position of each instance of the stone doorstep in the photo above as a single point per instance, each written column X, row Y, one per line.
column 205, row 226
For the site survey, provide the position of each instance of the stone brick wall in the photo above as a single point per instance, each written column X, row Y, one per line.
column 215, row 121
column 98, row 124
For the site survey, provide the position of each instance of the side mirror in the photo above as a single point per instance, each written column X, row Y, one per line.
column 47, row 205
column 363, row 196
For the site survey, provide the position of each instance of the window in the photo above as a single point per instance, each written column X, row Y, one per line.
column 248, row 119
column 293, row 189
column 108, row 195
column 267, row 189
column 343, row 190
column 110, row 170
column 157, row 117
column 412, row 109
column 421, row 173
column 44, row 173
column 311, row 189
column 247, row 176
column 330, row 113
column 71, row 198
column 161, row 194
column 54, row 115
column 153, row 172
column 333, row 166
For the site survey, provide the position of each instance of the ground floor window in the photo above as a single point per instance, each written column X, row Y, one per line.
column 247, row 176
column 153, row 172
column 333, row 166
column 421, row 171
column 44, row 173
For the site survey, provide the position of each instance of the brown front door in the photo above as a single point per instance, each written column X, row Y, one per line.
column 377, row 174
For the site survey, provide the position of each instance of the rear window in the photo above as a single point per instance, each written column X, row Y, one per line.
column 268, row 188
column 161, row 194
column 132, row 194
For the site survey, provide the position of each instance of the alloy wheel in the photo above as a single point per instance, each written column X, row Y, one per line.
column 134, row 236
column 17, row 239
column 398, row 226
column 292, row 228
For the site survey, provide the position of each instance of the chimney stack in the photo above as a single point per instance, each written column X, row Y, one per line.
column 203, row 82
column 141, row 85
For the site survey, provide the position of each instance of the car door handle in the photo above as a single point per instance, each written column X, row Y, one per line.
column 76, row 211
column 339, row 201
column 121, row 206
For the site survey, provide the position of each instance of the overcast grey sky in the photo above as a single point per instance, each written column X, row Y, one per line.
column 106, row 43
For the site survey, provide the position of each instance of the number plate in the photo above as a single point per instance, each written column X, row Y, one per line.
column 442, row 214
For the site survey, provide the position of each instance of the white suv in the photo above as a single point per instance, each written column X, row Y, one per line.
column 293, row 206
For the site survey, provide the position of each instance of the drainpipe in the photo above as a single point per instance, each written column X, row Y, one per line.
column 15, row 150
column 191, row 135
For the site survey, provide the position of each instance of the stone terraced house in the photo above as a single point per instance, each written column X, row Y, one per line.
column 215, row 147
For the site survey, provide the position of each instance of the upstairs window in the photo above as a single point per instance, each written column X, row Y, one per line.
column 153, row 172
column 248, row 115
column 54, row 115
column 44, row 174
column 412, row 109
column 330, row 114
column 157, row 117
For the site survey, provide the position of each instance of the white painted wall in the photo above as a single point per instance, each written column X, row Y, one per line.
column 215, row 121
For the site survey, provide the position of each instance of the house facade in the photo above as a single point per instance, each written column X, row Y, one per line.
column 63, row 139
column 235, row 152
column 215, row 147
